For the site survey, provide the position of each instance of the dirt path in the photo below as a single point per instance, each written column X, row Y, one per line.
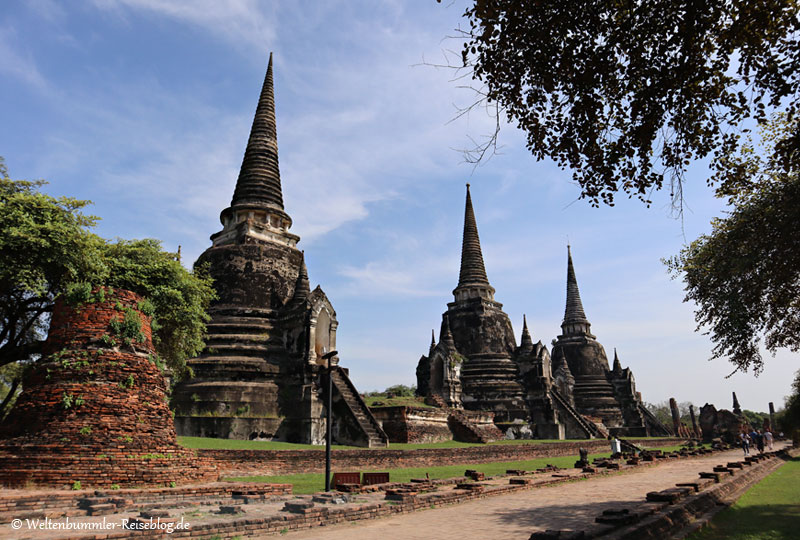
column 565, row 506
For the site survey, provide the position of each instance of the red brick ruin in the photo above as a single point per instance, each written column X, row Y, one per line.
column 94, row 408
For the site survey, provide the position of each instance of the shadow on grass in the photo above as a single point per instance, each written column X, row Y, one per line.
column 762, row 522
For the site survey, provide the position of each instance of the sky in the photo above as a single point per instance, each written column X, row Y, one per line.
column 144, row 107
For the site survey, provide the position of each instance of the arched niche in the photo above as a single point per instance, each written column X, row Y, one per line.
column 323, row 324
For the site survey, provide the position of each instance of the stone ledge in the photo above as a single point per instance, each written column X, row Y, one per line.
column 682, row 514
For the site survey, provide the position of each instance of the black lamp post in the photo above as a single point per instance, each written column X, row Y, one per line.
column 329, row 416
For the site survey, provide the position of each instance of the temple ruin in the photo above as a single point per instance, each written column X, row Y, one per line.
column 568, row 392
column 93, row 410
column 262, row 374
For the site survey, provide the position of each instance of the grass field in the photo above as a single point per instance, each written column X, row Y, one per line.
column 314, row 482
column 770, row 510
column 232, row 444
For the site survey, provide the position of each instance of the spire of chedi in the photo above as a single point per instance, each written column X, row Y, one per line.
column 256, row 208
column 575, row 321
column 259, row 182
column 472, row 280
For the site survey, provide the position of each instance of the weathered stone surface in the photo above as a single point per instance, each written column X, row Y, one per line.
column 261, row 375
column 95, row 411
column 477, row 365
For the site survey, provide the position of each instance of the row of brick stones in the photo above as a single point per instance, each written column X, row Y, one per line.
column 669, row 512
column 276, row 462
column 315, row 516
column 74, row 503
column 322, row 516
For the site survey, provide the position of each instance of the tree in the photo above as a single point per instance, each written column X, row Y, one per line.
column 789, row 419
column 745, row 275
column 44, row 245
column 46, row 248
column 628, row 94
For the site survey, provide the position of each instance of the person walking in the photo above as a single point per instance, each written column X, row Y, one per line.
column 745, row 443
column 768, row 437
column 760, row 442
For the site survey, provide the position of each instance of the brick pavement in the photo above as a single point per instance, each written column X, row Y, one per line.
column 565, row 506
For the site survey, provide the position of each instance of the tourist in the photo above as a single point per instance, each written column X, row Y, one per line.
column 768, row 437
column 745, row 443
column 760, row 442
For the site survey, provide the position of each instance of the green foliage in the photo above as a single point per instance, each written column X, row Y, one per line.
column 47, row 249
column 66, row 400
column 129, row 328
column 127, row 383
column 85, row 430
column 78, row 293
column 172, row 484
column 242, row 411
column 744, row 275
column 76, row 485
column 178, row 298
column 401, row 390
column 628, row 94
column 789, row 419
column 114, row 486
column 755, row 419
column 45, row 244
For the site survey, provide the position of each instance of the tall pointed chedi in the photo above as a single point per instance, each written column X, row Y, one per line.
column 259, row 182
column 260, row 375
column 472, row 280
column 586, row 358
column 482, row 340
column 575, row 321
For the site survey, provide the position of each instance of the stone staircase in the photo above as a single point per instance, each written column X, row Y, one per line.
column 657, row 427
column 467, row 431
column 591, row 429
column 375, row 435
column 462, row 426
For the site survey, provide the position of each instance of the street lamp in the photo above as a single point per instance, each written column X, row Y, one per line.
column 329, row 415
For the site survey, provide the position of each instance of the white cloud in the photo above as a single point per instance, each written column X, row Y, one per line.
column 245, row 23
column 17, row 64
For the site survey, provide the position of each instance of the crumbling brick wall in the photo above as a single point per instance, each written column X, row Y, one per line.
column 94, row 408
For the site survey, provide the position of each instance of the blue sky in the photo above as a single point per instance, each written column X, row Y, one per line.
column 144, row 107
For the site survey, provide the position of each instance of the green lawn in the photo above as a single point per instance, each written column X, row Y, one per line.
column 314, row 482
column 233, row 444
column 383, row 401
column 770, row 510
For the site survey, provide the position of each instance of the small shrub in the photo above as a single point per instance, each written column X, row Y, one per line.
column 147, row 307
column 172, row 484
column 128, row 383
column 66, row 400
column 129, row 328
column 79, row 401
column 85, row 430
column 78, row 293
column 114, row 486
column 241, row 411
column 76, row 485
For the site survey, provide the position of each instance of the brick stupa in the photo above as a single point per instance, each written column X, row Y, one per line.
column 94, row 409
